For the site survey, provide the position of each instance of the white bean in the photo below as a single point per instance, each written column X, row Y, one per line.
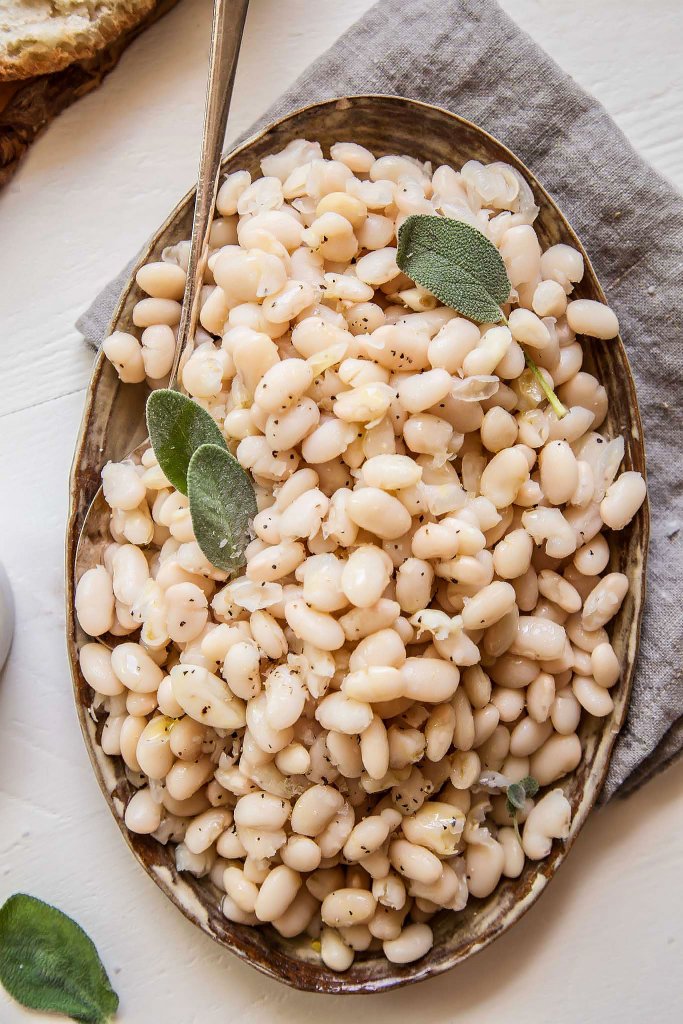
column 594, row 698
column 622, row 500
column 365, row 576
column 314, row 627
column 344, row 714
column 557, row 756
column 95, row 601
column 277, row 893
column 414, row 861
column 604, row 601
column 347, row 907
column 413, row 943
column 605, row 665
column 585, row 316
column 379, row 512
column 143, row 813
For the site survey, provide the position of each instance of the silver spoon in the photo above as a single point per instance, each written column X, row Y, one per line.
column 226, row 36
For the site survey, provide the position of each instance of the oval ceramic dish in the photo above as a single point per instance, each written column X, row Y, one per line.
column 113, row 423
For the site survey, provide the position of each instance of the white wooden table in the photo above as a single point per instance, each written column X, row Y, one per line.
column 604, row 944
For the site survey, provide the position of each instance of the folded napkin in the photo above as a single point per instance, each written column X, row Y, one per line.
column 469, row 57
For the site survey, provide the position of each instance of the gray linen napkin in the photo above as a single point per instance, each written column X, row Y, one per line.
column 469, row 57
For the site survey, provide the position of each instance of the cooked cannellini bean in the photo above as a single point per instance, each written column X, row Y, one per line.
column 378, row 512
column 95, row 663
column 206, row 698
column 95, row 601
column 365, row 576
column 261, row 810
column 559, row 590
column 593, row 557
column 391, row 472
column 540, row 695
column 559, row 472
column 143, row 813
column 485, row 862
column 413, row 943
column 277, row 893
column 185, row 778
column 563, row 264
column 147, row 312
column 622, row 500
column 488, row 606
column 347, row 907
column 604, row 601
column 605, row 665
column 135, row 668
column 503, row 476
column 549, row 298
column 594, row 698
column 557, row 756
column 413, row 861
column 538, row 638
column 565, row 712
column 153, row 751
column 429, row 679
column 124, row 352
column 334, row 952
column 548, row 820
column 585, row 316
column 314, row 627
column 437, row 826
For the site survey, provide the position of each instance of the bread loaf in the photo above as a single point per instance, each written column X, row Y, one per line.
column 28, row 105
column 38, row 37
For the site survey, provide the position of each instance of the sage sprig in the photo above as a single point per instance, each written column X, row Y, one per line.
column 559, row 409
column 192, row 452
column 517, row 795
column 48, row 963
column 222, row 505
column 455, row 262
column 458, row 264
column 177, row 426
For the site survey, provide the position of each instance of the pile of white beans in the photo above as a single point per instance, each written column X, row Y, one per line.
column 421, row 621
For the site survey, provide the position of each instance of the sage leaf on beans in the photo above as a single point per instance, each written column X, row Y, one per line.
column 177, row 427
column 517, row 794
column 222, row 506
column 48, row 963
column 456, row 263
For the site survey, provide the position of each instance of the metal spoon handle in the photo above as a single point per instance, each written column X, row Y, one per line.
column 226, row 36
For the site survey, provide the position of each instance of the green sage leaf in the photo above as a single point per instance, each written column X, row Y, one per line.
column 48, row 963
column 515, row 798
column 455, row 262
column 530, row 785
column 222, row 505
column 555, row 403
column 518, row 792
column 177, row 427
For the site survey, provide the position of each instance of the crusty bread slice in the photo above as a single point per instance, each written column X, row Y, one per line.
column 28, row 105
column 38, row 37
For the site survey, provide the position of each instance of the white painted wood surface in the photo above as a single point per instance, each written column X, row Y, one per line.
column 604, row 944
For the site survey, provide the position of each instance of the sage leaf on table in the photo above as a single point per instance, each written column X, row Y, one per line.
column 222, row 505
column 177, row 427
column 455, row 262
column 48, row 963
